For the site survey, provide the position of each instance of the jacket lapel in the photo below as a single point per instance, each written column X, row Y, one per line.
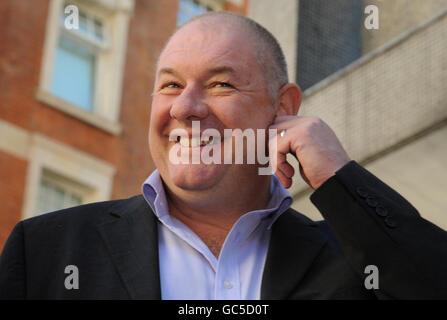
column 294, row 244
column 131, row 238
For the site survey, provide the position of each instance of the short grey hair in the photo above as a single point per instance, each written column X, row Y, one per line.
column 269, row 54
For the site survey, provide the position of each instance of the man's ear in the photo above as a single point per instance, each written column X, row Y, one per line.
column 289, row 100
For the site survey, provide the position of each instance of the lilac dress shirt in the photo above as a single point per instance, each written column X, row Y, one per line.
column 188, row 268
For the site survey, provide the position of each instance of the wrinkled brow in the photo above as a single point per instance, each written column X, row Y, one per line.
column 210, row 72
column 167, row 71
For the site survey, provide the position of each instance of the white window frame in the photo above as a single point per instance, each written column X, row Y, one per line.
column 44, row 154
column 94, row 44
column 114, row 15
column 69, row 186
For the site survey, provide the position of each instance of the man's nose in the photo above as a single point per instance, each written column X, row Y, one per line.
column 189, row 106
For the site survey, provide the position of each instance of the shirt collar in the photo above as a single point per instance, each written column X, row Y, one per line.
column 280, row 199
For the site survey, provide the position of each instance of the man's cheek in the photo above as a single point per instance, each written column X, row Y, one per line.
column 235, row 120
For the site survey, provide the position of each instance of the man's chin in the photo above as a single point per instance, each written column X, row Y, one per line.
column 195, row 177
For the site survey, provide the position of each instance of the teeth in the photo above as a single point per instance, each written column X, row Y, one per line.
column 207, row 140
column 184, row 142
column 195, row 142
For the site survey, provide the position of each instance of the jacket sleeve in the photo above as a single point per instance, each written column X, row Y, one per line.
column 376, row 226
column 12, row 266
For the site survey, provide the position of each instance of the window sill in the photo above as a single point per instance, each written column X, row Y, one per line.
column 76, row 112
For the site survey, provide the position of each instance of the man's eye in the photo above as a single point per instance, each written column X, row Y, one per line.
column 222, row 85
column 170, row 85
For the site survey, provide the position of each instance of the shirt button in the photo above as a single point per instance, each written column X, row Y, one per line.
column 227, row 284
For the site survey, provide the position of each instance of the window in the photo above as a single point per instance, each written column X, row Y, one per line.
column 56, row 192
column 188, row 9
column 90, row 26
column 60, row 176
column 76, row 60
column 82, row 68
column 73, row 77
column 329, row 38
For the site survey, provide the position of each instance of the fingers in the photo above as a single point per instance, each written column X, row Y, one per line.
column 285, row 181
column 279, row 148
column 313, row 143
column 286, row 169
column 285, row 173
column 285, row 144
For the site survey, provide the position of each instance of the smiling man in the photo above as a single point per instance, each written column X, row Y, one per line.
column 224, row 231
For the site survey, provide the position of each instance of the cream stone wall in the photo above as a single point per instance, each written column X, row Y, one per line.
column 384, row 98
column 44, row 153
column 418, row 171
column 397, row 17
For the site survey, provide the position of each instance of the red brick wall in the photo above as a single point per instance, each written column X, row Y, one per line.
column 12, row 186
column 22, row 36
column 152, row 23
column 23, row 26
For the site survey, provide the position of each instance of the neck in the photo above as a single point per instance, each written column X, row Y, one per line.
column 211, row 215
column 221, row 208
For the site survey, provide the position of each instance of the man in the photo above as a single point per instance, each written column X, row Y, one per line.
column 223, row 231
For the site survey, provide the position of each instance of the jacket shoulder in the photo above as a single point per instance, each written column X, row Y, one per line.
column 92, row 214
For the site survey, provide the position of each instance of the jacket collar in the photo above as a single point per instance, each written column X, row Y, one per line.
column 132, row 240
column 294, row 245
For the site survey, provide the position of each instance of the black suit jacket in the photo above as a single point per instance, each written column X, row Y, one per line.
column 114, row 246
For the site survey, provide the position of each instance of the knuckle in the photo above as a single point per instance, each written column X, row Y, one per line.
column 312, row 124
column 316, row 121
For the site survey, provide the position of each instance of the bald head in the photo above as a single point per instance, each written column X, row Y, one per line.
column 268, row 53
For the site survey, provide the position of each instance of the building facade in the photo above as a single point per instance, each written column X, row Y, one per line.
column 383, row 91
column 75, row 102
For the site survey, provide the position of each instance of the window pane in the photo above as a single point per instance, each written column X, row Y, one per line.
column 89, row 26
column 98, row 29
column 83, row 23
column 52, row 197
column 72, row 200
column 188, row 9
column 73, row 74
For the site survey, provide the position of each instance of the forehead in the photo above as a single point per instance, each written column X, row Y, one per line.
column 201, row 45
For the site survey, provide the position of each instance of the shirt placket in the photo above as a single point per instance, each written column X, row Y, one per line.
column 228, row 284
column 227, row 281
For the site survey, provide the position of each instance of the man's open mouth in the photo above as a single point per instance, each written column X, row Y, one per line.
column 197, row 142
